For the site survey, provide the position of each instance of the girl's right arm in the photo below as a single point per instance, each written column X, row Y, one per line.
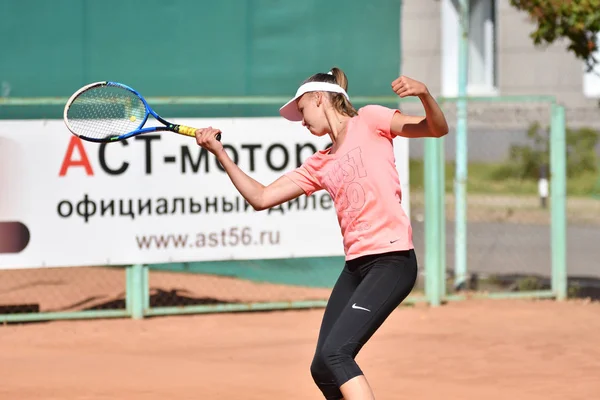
column 260, row 197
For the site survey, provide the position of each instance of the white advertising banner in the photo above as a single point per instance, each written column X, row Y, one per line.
column 157, row 198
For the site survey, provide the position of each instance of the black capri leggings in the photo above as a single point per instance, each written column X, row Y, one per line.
column 367, row 291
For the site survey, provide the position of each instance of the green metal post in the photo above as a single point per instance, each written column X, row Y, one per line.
column 460, row 180
column 146, row 287
column 432, row 216
column 442, row 216
column 558, row 196
column 135, row 302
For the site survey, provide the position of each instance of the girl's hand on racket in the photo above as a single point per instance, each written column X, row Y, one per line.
column 405, row 86
column 206, row 138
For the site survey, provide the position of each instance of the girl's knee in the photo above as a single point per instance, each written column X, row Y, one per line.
column 340, row 363
column 319, row 370
column 324, row 379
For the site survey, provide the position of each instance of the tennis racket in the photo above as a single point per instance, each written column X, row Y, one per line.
column 112, row 111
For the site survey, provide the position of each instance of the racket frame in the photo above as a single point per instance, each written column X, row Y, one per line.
column 167, row 126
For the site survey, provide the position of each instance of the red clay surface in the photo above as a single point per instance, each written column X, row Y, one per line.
column 74, row 289
column 477, row 349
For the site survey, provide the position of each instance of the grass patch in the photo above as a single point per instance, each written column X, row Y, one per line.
column 498, row 178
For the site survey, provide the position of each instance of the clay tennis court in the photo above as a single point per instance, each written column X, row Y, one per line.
column 476, row 349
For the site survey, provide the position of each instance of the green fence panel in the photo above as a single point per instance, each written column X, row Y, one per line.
column 194, row 48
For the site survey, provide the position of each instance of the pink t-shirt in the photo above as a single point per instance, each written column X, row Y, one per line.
column 362, row 180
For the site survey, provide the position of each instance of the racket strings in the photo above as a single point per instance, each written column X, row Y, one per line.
column 102, row 112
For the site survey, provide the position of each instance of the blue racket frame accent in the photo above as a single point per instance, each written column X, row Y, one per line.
column 167, row 126
column 149, row 111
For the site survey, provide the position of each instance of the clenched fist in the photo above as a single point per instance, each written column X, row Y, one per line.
column 405, row 86
column 208, row 138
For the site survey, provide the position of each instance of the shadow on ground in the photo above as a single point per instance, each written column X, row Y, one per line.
column 579, row 287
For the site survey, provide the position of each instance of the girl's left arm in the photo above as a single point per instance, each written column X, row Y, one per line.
column 433, row 124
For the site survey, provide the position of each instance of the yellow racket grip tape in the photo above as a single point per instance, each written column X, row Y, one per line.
column 186, row 130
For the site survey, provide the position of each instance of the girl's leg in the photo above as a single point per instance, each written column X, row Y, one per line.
column 388, row 280
column 340, row 295
column 357, row 388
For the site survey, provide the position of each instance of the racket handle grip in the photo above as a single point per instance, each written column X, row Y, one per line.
column 189, row 131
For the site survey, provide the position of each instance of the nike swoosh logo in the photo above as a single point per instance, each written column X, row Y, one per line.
column 360, row 308
column 394, row 241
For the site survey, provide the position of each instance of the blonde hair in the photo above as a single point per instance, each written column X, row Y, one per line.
column 339, row 102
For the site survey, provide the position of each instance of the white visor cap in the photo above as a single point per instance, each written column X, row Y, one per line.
column 290, row 110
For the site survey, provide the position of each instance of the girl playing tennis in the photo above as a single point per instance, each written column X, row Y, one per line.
column 359, row 173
